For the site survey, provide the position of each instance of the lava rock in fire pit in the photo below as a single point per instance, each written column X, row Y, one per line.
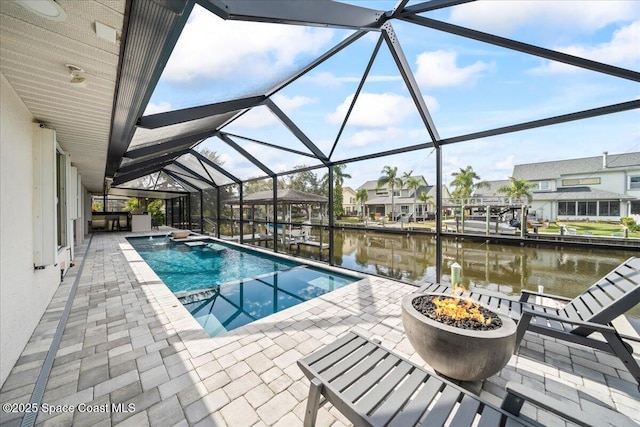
column 464, row 354
column 425, row 305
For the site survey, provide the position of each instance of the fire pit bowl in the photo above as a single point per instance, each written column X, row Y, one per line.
column 458, row 353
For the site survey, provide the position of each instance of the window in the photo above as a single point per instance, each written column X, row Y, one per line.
column 567, row 208
column 396, row 193
column 609, row 208
column 382, row 192
column 404, row 209
column 634, row 183
column 580, row 181
column 587, row 208
column 61, row 199
column 543, row 185
column 635, row 207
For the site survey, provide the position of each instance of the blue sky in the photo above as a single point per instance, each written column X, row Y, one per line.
column 468, row 86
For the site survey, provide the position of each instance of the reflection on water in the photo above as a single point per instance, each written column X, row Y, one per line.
column 563, row 271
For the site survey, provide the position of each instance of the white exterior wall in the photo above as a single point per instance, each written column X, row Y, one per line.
column 614, row 181
column 24, row 292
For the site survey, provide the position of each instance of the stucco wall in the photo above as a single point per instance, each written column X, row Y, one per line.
column 24, row 292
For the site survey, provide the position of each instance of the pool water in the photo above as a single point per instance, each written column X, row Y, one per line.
column 225, row 287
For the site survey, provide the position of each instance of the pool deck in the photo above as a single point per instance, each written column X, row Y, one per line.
column 128, row 340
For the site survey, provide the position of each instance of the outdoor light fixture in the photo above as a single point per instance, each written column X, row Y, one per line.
column 47, row 9
column 75, row 72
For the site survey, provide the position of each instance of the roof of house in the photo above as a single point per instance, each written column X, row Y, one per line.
column 492, row 189
column 348, row 189
column 373, row 184
column 287, row 195
column 579, row 193
column 386, row 200
column 558, row 168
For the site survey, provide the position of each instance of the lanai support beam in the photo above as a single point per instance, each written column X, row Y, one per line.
column 126, row 177
column 133, row 166
column 524, row 47
column 405, row 70
column 275, row 213
column 168, row 146
column 140, row 68
column 223, row 171
column 428, row 6
column 182, row 181
column 195, row 174
column 331, row 219
column 374, row 54
column 289, row 124
column 325, row 13
column 247, row 155
column 168, row 118
column 266, row 144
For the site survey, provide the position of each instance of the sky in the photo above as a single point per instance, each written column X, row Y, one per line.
column 468, row 86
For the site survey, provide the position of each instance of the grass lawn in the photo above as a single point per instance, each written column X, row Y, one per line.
column 582, row 227
column 595, row 228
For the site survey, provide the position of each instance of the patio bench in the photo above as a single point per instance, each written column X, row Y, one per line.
column 372, row 386
column 585, row 319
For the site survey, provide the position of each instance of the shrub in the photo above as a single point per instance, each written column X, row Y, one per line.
column 630, row 223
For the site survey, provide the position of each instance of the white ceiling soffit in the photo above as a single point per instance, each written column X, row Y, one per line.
column 33, row 57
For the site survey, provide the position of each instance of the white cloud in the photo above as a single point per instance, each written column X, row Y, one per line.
column 506, row 164
column 369, row 137
column 328, row 79
column 211, row 48
column 288, row 104
column 157, row 108
column 564, row 16
column 622, row 50
column 378, row 109
column 439, row 69
column 261, row 117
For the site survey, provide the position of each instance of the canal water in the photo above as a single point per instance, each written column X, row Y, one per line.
column 509, row 269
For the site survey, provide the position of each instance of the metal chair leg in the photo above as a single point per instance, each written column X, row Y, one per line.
column 313, row 403
column 624, row 353
column 523, row 324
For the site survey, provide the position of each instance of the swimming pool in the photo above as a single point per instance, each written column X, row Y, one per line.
column 225, row 286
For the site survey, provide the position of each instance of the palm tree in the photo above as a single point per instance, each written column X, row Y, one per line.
column 413, row 183
column 390, row 177
column 518, row 188
column 362, row 195
column 338, row 179
column 425, row 199
column 464, row 183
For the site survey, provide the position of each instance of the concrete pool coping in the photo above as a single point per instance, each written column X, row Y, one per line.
column 178, row 314
column 128, row 340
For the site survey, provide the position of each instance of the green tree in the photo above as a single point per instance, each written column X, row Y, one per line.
column 131, row 204
column 390, row 177
column 518, row 189
column 156, row 208
column 338, row 179
column 362, row 196
column 306, row 181
column 413, row 183
column 257, row 185
column 465, row 182
column 426, row 200
column 212, row 155
column 97, row 207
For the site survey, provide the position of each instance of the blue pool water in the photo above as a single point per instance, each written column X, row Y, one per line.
column 225, row 287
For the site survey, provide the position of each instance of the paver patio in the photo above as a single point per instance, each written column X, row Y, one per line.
column 129, row 341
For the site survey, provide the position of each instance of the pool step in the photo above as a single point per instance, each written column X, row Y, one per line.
column 188, row 297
